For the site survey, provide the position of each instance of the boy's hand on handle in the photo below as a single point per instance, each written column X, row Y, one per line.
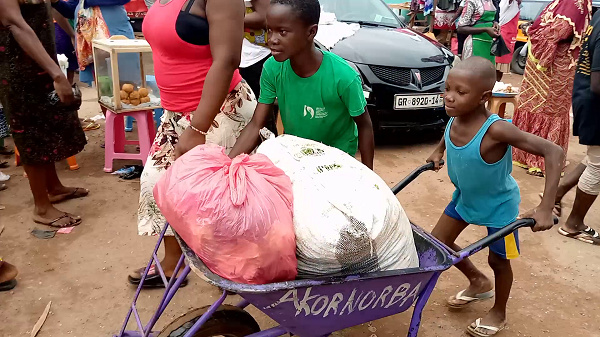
column 188, row 140
column 436, row 159
column 64, row 90
column 544, row 219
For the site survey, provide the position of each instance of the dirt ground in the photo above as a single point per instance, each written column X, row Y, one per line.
column 556, row 289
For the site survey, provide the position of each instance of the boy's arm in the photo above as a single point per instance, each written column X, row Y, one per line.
column 554, row 156
column 437, row 154
column 65, row 8
column 250, row 136
column 366, row 138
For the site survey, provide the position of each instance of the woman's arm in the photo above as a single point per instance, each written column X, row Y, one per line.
column 468, row 30
column 250, row 137
column 258, row 18
column 10, row 17
column 226, row 21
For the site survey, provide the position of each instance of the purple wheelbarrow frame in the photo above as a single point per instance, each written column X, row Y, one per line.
column 318, row 307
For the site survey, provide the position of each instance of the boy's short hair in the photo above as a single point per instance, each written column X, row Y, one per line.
column 309, row 11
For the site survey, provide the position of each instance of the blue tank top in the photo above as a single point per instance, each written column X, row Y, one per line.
column 486, row 194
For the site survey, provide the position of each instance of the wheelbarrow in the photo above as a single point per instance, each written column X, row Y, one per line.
column 310, row 307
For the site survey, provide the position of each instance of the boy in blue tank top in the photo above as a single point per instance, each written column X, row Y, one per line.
column 478, row 145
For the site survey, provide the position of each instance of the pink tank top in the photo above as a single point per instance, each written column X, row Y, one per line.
column 180, row 67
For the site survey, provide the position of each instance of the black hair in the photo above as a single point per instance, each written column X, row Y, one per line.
column 481, row 68
column 309, row 11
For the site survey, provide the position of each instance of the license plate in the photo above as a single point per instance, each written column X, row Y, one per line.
column 405, row 102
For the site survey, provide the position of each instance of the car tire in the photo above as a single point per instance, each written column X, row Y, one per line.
column 517, row 65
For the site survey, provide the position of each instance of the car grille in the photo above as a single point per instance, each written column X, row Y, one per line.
column 403, row 76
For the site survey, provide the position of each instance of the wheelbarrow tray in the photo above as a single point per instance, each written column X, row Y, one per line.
column 318, row 307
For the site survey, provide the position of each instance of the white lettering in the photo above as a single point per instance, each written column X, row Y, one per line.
column 303, row 305
column 386, row 291
column 362, row 306
column 333, row 305
column 325, row 299
column 350, row 303
column 290, row 296
column 398, row 294
column 414, row 294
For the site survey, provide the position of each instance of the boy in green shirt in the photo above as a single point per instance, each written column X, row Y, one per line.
column 320, row 96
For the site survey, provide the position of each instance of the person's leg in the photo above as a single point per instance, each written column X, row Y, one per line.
column 57, row 192
column 447, row 230
column 587, row 192
column 8, row 273
column 499, row 75
column 43, row 211
column 172, row 254
column 569, row 181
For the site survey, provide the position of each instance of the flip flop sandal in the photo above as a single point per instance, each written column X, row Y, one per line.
column 52, row 223
column 3, row 187
column 588, row 235
column 475, row 329
column 73, row 195
column 6, row 152
column 91, row 126
column 469, row 300
column 536, row 172
column 153, row 279
column 4, row 164
column 557, row 210
column 523, row 166
column 8, row 285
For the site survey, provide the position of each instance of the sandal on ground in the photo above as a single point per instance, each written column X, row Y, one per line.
column 6, row 151
column 588, row 235
column 153, row 279
column 467, row 299
column 91, row 126
column 4, row 164
column 523, row 166
column 557, row 210
column 476, row 329
column 76, row 193
column 74, row 221
column 536, row 172
column 3, row 187
column 7, row 285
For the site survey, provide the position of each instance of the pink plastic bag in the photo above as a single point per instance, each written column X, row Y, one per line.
column 235, row 214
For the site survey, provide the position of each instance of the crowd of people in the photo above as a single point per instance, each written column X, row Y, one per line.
column 224, row 70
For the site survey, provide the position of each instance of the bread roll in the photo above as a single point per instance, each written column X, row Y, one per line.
column 145, row 99
column 135, row 102
column 125, row 101
column 143, row 92
column 128, row 87
column 134, row 95
column 124, row 95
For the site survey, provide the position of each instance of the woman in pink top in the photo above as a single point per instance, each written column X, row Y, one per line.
column 202, row 92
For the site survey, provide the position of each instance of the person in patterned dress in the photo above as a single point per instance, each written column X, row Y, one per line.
column 44, row 132
column 545, row 100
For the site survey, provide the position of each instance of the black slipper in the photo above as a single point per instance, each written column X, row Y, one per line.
column 8, row 285
column 4, row 164
column 136, row 173
column 152, row 280
column 6, row 152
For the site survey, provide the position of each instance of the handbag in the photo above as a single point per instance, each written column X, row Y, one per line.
column 90, row 26
column 499, row 47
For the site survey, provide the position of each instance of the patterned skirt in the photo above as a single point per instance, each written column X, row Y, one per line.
column 236, row 112
column 4, row 130
column 544, row 106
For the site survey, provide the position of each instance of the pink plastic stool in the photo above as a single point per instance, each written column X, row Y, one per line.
column 114, row 137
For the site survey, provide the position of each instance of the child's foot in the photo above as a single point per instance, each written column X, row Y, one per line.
column 477, row 291
column 490, row 325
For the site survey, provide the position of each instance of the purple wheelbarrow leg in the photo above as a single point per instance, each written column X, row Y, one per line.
column 207, row 315
column 139, row 289
column 415, row 322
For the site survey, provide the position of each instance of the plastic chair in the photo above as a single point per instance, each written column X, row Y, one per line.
column 498, row 104
column 157, row 115
column 71, row 161
column 114, row 137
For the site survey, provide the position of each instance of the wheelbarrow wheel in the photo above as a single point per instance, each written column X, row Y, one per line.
column 228, row 321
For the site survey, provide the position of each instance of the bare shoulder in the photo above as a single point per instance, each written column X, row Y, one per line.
column 503, row 131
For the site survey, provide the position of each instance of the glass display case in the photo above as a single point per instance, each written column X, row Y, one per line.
column 123, row 68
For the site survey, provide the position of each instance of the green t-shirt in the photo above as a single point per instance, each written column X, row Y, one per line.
column 319, row 107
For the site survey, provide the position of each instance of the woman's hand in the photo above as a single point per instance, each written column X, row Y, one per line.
column 492, row 32
column 64, row 90
column 188, row 140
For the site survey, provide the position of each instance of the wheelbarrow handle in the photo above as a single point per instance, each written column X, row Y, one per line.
column 485, row 242
column 413, row 175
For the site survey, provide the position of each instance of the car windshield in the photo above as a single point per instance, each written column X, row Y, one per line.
column 531, row 9
column 365, row 12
